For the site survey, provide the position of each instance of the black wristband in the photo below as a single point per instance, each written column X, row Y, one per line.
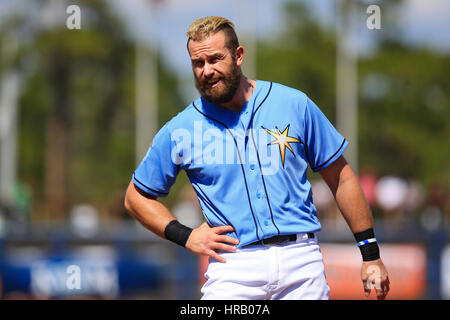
column 363, row 235
column 176, row 232
column 369, row 251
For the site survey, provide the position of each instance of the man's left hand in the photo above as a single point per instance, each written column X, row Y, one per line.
column 374, row 275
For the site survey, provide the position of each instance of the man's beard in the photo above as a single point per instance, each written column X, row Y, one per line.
column 230, row 84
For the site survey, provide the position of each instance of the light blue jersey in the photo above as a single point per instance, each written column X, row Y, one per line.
column 249, row 169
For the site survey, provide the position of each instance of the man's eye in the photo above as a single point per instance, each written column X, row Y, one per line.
column 198, row 64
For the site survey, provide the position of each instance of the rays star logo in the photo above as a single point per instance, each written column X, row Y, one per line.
column 283, row 140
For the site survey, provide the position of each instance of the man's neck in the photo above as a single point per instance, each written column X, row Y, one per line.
column 243, row 94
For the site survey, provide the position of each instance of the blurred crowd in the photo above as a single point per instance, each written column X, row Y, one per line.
column 395, row 202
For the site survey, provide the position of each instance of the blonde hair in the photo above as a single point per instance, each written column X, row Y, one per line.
column 202, row 28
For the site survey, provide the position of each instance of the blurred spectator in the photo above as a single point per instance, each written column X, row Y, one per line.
column 414, row 203
column 323, row 199
column 447, row 209
column 188, row 210
column 435, row 214
column 327, row 209
column 23, row 201
column 2, row 225
column 431, row 218
column 6, row 209
column 115, row 207
column 391, row 194
column 368, row 180
column 415, row 197
column 84, row 220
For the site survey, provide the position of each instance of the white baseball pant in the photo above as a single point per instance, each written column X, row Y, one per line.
column 292, row 271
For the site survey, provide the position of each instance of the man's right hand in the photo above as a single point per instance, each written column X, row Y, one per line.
column 204, row 240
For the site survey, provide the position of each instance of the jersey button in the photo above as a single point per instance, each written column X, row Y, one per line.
column 252, row 166
column 258, row 195
column 266, row 223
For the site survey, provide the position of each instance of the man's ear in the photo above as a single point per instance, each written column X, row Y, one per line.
column 239, row 55
column 187, row 47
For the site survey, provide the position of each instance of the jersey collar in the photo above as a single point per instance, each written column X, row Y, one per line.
column 231, row 117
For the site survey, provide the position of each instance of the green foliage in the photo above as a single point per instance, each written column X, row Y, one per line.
column 303, row 57
column 406, row 130
column 85, row 78
column 404, row 102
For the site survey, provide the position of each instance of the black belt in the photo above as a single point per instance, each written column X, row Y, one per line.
column 279, row 239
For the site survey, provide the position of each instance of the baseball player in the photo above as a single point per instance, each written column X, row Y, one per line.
column 246, row 146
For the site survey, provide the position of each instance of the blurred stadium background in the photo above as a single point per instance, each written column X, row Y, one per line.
column 79, row 108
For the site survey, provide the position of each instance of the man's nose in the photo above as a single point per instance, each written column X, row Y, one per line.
column 208, row 70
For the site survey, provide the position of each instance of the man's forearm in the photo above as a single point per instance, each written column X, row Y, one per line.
column 152, row 214
column 349, row 196
column 352, row 202
column 156, row 217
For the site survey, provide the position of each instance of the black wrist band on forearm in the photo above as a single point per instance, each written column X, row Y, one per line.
column 369, row 251
column 176, row 232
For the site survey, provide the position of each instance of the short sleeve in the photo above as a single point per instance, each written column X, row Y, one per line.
column 157, row 172
column 324, row 144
